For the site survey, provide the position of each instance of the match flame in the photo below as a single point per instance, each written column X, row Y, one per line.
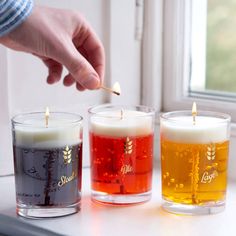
column 116, row 88
column 47, row 116
column 194, row 112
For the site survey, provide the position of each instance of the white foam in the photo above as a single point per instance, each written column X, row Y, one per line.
column 132, row 123
column 52, row 137
column 205, row 130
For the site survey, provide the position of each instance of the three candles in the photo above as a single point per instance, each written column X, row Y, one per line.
column 48, row 159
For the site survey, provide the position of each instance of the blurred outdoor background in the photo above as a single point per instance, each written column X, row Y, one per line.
column 221, row 45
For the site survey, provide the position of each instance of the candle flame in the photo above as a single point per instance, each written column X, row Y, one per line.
column 47, row 116
column 194, row 112
column 116, row 88
column 194, row 109
column 47, row 111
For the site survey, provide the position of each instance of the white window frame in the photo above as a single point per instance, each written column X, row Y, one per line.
column 176, row 68
column 172, row 92
column 151, row 84
column 198, row 44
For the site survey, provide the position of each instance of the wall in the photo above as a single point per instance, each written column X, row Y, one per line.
column 23, row 84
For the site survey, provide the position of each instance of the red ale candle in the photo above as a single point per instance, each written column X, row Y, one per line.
column 121, row 150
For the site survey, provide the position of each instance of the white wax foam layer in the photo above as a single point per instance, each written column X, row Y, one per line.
column 205, row 130
column 52, row 137
column 132, row 123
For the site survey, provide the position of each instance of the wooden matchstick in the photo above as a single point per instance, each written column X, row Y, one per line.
column 110, row 90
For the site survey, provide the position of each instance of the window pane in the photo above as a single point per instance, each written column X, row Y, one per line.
column 217, row 58
column 221, row 45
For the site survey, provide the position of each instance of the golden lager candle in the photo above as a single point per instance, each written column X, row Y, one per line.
column 194, row 156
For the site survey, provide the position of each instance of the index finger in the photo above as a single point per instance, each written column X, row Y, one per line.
column 92, row 49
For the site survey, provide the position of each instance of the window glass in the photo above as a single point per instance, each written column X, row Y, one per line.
column 215, row 62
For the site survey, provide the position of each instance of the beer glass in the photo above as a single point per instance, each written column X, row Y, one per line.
column 121, row 153
column 194, row 157
column 47, row 163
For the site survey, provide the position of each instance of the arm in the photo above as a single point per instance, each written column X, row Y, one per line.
column 13, row 13
column 60, row 38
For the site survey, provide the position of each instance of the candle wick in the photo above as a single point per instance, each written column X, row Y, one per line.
column 46, row 118
column 194, row 112
column 121, row 114
column 194, row 119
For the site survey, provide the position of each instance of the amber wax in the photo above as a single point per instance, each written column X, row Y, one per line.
column 194, row 158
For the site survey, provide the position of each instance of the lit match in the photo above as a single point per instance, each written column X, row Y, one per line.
column 115, row 89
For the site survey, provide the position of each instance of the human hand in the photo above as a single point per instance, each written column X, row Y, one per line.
column 61, row 38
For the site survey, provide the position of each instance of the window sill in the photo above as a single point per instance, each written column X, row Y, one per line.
column 143, row 219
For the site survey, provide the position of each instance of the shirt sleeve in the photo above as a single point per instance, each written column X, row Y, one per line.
column 13, row 13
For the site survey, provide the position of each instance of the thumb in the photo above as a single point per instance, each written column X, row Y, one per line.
column 81, row 70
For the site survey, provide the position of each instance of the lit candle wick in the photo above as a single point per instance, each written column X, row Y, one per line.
column 121, row 114
column 194, row 112
column 47, row 116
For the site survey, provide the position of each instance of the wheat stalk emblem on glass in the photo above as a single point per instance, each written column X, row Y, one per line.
column 67, row 155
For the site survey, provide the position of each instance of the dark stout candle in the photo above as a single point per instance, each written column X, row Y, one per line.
column 47, row 177
column 47, row 163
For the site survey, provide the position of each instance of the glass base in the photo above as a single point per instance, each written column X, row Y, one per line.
column 121, row 199
column 36, row 212
column 185, row 209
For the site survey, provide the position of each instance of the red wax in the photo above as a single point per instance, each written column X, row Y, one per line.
column 121, row 165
